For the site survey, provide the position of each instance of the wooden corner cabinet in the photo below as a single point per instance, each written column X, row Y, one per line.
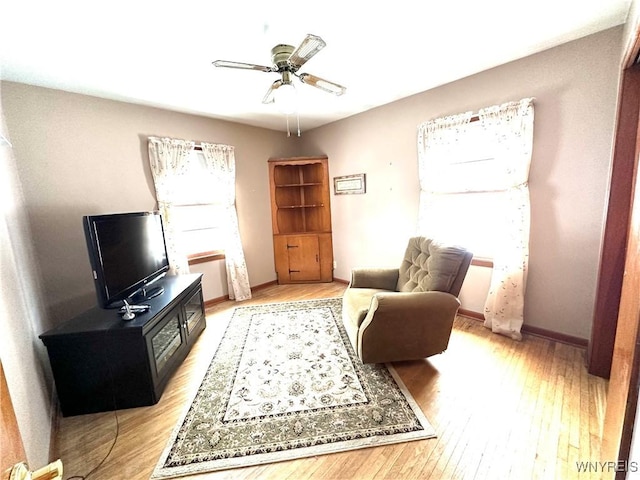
column 101, row 363
column 301, row 218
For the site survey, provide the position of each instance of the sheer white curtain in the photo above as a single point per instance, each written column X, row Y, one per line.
column 220, row 161
column 510, row 127
column 168, row 160
column 463, row 165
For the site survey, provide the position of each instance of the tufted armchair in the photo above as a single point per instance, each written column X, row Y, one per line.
column 406, row 313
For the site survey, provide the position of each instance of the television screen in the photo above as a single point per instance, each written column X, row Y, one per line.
column 127, row 252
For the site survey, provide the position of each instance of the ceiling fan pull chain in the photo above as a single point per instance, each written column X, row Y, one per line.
column 288, row 131
column 298, row 119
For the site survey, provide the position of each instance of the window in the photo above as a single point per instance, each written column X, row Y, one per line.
column 459, row 210
column 463, row 221
column 198, row 211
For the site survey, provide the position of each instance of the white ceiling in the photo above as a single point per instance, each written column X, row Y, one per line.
column 159, row 52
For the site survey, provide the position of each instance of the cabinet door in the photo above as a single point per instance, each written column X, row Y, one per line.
column 165, row 344
column 304, row 258
column 194, row 316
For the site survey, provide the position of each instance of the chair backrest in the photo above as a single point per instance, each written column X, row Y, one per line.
column 428, row 265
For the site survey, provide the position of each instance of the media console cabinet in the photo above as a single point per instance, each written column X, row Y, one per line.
column 101, row 363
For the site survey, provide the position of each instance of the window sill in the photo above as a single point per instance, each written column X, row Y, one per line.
column 205, row 257
column 482, row 262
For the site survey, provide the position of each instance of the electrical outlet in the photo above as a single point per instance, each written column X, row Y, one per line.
column 335, row 264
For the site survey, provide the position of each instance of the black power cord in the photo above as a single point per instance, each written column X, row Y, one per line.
column 84, row 477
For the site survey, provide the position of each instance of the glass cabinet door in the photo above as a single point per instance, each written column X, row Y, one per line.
column 194, row 311
column 166, row 341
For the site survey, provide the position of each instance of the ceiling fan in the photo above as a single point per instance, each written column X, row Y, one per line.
column 287, row 60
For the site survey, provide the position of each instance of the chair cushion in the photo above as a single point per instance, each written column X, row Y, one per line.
column 429, row 265
column 355, row 306
column 356, row 303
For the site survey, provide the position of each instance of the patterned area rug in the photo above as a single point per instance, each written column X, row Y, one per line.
column 283, row 384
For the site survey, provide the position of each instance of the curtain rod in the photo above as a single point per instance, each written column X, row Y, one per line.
column 476, row 116
column 198, row 146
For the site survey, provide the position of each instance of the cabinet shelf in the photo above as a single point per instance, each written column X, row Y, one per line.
column 319, row 205
column 287, row 185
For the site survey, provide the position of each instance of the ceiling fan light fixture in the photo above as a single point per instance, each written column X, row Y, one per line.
column 286, row 99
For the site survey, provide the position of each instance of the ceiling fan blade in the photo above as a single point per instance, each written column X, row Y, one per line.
column 322, row 84
column 311, row 45
column 244, row 66
column 270, row 95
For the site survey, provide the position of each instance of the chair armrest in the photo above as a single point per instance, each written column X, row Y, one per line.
column 402, row 326
column 381, row 278
column 422, row 304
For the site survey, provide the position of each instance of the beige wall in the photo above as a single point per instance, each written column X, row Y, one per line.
column 81, row 155
column 575, row 90
column 22, row 317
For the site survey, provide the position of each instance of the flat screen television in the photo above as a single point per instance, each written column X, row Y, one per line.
column 127, row 252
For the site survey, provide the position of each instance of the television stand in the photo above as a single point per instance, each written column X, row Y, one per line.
column 101, row 363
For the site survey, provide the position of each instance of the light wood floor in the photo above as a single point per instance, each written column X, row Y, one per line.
column 501, row 409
